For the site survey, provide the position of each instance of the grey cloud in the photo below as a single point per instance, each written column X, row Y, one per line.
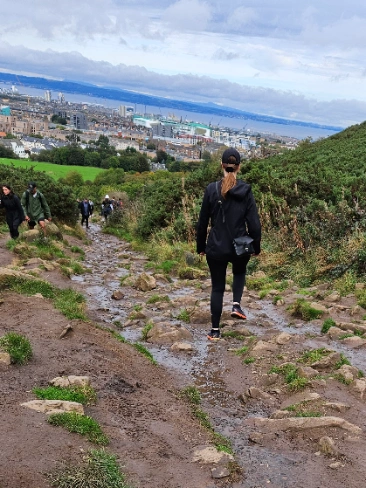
column 75, row 67
column 223, row 55
column 188, row 15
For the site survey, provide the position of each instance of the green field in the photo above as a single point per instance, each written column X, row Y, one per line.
column 56, row 171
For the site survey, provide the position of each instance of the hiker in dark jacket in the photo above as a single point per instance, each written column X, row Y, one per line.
column 35, row 207
column 237, row 217
column 86, row 211
column 13, row 209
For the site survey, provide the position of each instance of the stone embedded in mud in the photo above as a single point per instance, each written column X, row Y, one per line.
column 328, row 361
column 181, row 346
column 200, row 317
column 359, row 386
column 319, row 307
column 53, row 230
column 165, row 333
column 338, row 406
column 117, row 295
column 54, row 406
column 354, row 342
column 263, row 346
column 161, row 277
column 220, row 472
column 66, row 381
column 256, row 393
column 283, row 338
column 303, row 396
column 145, row 282
column 327, row 446
column 210, row 455
column 336, row 465
column 348, row 373
column 307, row 372
column 300, row 424
column 30, row 235
column 335, row 332
column 333, row 297
column 282, row 414
column 5, row 358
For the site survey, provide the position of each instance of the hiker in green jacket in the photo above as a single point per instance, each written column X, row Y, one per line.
column 35, row 206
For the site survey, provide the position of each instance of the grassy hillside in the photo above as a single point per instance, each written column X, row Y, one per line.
column 55, row 171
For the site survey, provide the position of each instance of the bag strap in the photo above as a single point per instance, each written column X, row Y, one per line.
column 222, row 210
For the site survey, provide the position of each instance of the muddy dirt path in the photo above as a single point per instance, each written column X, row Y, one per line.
column 277, row 458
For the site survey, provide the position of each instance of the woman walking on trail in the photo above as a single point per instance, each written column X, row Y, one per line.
column 230, row 206
column 13, row 209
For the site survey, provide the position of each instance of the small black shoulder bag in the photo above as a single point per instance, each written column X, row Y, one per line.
column 243, row 245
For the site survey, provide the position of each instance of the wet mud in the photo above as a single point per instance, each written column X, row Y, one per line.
column 213, row 368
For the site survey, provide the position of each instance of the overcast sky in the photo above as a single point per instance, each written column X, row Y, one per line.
column 296, row 59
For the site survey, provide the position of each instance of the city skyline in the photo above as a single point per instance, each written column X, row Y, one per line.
column 293, row 60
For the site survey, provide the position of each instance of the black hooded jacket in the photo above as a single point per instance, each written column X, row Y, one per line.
column 239, row 217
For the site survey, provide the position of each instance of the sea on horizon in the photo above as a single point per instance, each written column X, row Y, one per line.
column 248, row 125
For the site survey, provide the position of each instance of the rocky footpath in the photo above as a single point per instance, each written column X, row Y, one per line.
column 287, row 392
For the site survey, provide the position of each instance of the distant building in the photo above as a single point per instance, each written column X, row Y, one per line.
column 79, row 121
column 5, row 110
column 61, row 97
column 48, row 95
column 16, row 146
column 122, row 111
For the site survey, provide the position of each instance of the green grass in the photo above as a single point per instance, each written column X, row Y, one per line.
column 249, row 360
column 194, row 397
column 233, row 334
column 145, row 352
column 17, row 346
column 342, row 361
column 55, row 171
column 314, row 355
column 81, row 424
column 301, row 308
column 158, row 298
column 146, row 330
column 68, row 301
column 327, row 324
column 184, row 316
column 99, row 470
column 241, row 351
column 291, row 377
column 78, row 250
column 81, row 394
column 300, row 410
column 192, row 394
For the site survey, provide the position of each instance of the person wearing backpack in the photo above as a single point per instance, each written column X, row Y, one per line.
column 35, row 207
column 107, row 207
column 230, row 207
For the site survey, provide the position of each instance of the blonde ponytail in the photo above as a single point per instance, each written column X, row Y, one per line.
column 228, row 183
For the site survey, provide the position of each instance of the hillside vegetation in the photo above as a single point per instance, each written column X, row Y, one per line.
column 311, row 200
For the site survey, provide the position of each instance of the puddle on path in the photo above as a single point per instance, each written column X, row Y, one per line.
column 262, row 467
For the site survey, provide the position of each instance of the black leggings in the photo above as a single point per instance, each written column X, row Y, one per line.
column 218, row 281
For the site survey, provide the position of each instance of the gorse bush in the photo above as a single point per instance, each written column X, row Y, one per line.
column 60, row 198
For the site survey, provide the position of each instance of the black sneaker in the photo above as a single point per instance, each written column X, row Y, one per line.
column 238, row 313
column 214, row 335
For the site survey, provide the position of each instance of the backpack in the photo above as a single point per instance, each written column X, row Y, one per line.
column 39, row 195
